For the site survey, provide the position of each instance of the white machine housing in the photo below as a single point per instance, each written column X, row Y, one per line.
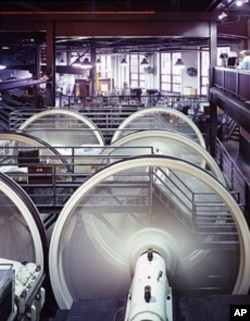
column 29, row 295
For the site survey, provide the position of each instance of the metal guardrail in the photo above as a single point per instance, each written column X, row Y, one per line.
column 202, row 213
column 4, row 120
column 107, row 120
column 51, row 180
column 99, row 102
column 235, row 180
column 18, row 116
column 233, row 81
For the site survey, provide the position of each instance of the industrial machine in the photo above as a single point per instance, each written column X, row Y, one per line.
column 23, row 246
column 143, row 227
column 22, row 293
column 152, row 218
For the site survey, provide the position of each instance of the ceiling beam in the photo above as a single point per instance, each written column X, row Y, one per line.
column 27, row 5
column 174, row 4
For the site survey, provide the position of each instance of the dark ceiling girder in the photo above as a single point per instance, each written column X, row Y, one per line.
column 236, row 109
column 108, row 25
column 26, row 5
column 128, row 5
column 216, row 4
column 158, row 6
column 221, row 5
column 175, row 4
column 19, row 83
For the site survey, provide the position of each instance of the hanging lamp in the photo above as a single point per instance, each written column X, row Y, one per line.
column 144, row 62
column 179, row 63
column 98, row 62
column 123, row 62
column 86, row 64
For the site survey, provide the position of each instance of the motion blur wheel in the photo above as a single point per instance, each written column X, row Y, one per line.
column 88, row 256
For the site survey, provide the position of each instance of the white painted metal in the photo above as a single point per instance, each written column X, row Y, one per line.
column 168, row 119
column 99, row 267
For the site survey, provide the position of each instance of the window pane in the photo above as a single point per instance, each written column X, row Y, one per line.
column 176, row 88
column 170, row 78
column 166, row 87
column 176, row 79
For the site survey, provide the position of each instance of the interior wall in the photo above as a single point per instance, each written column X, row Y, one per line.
column 189, row 83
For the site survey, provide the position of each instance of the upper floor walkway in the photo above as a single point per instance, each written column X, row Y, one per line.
column 233, row 81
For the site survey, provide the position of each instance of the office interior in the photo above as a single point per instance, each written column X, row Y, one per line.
column 125, row 160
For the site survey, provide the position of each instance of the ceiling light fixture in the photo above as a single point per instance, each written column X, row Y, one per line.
column 77, row 63
column 98, row 62
column 144, row 62
column 179, row 63
column 222, row 15
column 239, row 3
column 86, row 64
column 123, row 62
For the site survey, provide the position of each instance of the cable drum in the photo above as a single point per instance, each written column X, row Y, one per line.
column 72, row 134
column 88, row 257
column 22, row 236
column 49, row 126
column 13, row 143
column 156, row 118
column 161, row 142
column 23, row 152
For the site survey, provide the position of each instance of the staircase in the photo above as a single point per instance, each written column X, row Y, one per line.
column 233, row 131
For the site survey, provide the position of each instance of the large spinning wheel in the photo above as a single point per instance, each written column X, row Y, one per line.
column 118, row 214
column 156, row 118
column 16, row 143
column 71, row 133
column 63, row 128
column 161, row 142
column 37, row 167
column 22, row 236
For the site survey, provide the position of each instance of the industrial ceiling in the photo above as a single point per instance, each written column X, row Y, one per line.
column 122, row 5
column 20, row 42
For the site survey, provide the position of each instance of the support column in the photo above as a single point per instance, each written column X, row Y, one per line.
column 248, row 34
column 50, row 58
column 213, row 107
column 92, row 72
